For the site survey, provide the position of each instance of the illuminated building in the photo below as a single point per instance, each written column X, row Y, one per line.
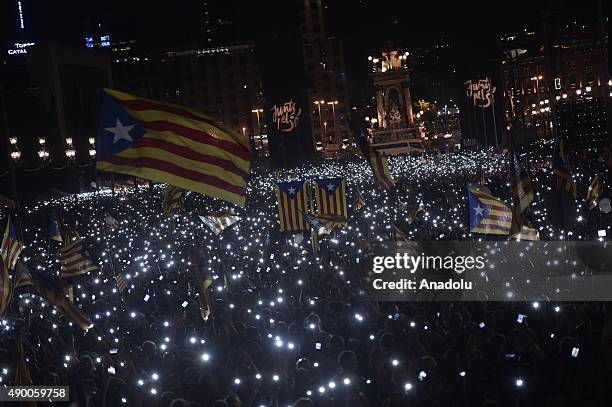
column 326, row 81
column 221, row 82
column 574, row 80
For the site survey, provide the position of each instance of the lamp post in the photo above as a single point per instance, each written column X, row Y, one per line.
column 333, row 105
column 325, row 128
column 257, row 111
column 537, row 80
column 319, row 103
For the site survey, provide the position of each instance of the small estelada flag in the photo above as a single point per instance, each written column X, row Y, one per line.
column 488, row 214
column 121, row 282
column 11, row 246
column 594, row 193
column 292, row 202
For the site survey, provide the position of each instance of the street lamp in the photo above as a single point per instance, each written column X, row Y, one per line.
column 325, row 128
column 333, row 105
column 319, row 103
column 257, row 112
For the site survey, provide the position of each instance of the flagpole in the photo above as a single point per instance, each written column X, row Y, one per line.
column 5, row 129
column 313, row 234
column 108, row 247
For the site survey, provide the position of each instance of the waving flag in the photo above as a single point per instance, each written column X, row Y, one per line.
column 324, row 224
column 72, row 261
column 5, row 288
column 218, row 223
column 204, row 281
column 122, row 284
column 380, row 168
column 378, row 162
column 488, row 214
column 292, row 202
column 594, row 193
column 527, row 233
column 330, row 196
column 172, row 199
column 11, row 246
column 52, row 294
column 112, row 223
column 54, row 229
column 359, row 202
column 172, row 144
column 522, row 193
column 399, row 235
column 565, row 182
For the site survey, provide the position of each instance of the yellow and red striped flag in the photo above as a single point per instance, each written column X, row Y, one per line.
column 68, row 290
column 292, row 202
column 172, row 144
column 594, row 192
column 121, row 283
column 527, row 233
column 380, row 168
column 488, row 214
column 522, row 192
column 219, row 222
column 204, row 281
column 172, row 199
column 330, row 196
column 5, row 288
column 52, row 294
column 11, row 246
column 72, row 261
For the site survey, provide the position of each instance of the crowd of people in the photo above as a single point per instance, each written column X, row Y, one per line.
column 290, row 327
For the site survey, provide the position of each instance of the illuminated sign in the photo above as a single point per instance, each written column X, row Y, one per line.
column 287, row 116
column 557, row 83
column 20, row 48
column 481, row 92
column 105, row 40
column 89, row 42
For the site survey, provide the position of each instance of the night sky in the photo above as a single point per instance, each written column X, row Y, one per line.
column 471, row 27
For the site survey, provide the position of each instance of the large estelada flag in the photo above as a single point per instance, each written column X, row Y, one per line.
column 330, row 194
column 488, row 214
column 292, row 202
column 172, row 144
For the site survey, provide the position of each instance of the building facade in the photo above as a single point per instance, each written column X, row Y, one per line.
column 571, row 78
column 327, row 85
column 221, row 82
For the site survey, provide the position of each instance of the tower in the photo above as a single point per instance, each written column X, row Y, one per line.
column 391, row 79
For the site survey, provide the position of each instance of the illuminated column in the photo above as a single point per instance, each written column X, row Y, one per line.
column 408, row 103
column 380, row 108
